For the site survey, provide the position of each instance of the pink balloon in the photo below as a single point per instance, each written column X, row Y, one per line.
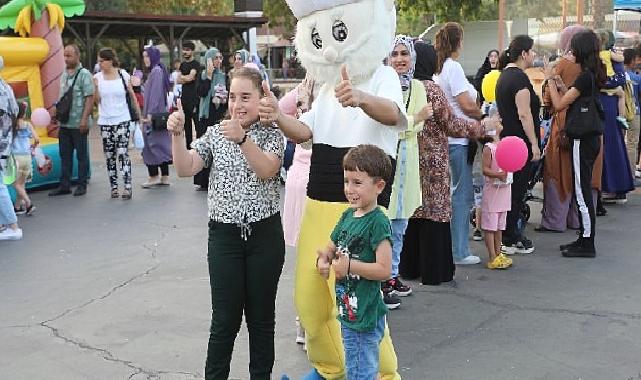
column 40, row 117
column 511, row 154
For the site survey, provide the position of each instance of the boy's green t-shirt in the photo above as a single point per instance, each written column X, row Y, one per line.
column 360, row 301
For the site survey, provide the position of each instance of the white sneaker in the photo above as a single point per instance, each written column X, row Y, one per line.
column 637, row 173
column 470, row 260
column 11, row 234
column 508, row 249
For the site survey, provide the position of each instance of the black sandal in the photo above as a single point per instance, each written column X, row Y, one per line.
column 126, row 194
column 114, row 193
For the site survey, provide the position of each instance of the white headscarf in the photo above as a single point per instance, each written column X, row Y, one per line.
column 407, row 77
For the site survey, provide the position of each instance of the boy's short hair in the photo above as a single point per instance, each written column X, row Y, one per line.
column 189, row 46
column 369, row 159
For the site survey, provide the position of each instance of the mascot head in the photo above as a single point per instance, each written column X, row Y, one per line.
column 330, row 33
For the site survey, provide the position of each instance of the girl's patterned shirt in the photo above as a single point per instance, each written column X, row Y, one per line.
column 236, row 194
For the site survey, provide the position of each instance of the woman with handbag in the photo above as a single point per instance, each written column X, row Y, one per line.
column 156, row 153
column 584, row 126
column 117, row 108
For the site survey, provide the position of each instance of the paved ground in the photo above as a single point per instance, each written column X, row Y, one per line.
column 107, row 289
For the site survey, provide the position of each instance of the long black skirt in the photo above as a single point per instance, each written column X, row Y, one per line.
column 427, row 252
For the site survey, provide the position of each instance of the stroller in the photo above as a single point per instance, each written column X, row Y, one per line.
column 537, row 172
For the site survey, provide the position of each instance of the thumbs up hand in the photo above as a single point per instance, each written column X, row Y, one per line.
column 176, row 121
column 346, row 94
column 268, row 109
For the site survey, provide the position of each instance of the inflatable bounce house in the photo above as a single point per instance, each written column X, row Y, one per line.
column 33, row 64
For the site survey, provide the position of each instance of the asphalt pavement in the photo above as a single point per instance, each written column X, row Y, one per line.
column 111, row 289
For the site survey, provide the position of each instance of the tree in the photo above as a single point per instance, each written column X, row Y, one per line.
column 599, row 10
column 533, row 8
column 279, row 14
column 451, row 10
column 44, row 19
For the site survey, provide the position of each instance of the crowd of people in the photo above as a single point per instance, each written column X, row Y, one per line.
column 402, row 196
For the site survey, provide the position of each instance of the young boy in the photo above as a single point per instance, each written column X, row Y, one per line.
column 360, row 251
column 615, row 72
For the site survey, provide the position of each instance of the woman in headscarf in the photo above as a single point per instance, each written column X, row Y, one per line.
column 558, row 214
column 212, row 88
column 157, row 151
column 406, row 189
column 617, row 171
column 427, row 247
column 241, row 57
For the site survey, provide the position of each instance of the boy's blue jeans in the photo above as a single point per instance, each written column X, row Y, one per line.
column 361, row 351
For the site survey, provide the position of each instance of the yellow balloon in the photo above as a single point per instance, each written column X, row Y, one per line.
column 488, row 86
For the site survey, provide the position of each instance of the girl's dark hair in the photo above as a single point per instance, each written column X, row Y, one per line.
column 108, row 54
column 629, row 55
column 448, row 40
column 518, row 45
column 585, row 47
column 252, row 74
column 22, row 109
column 486, row 64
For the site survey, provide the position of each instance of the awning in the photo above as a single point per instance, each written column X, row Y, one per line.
column 169, row 30
column 627, row 5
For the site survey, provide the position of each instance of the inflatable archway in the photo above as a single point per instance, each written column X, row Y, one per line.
column 23, row 58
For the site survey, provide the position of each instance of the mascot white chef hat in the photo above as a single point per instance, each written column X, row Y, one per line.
column 330, row 33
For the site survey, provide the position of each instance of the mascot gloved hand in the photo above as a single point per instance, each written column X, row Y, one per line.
column 342, row 44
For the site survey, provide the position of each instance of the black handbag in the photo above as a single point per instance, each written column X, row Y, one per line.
column 585, row 117
column 159, row 121
column 130, row 103
column 63, row 107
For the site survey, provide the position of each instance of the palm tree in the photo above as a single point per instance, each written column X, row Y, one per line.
column 44, row 19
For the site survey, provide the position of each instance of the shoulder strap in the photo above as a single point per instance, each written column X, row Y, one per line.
column 409, row 97
column 123, row 80
column 74, row 79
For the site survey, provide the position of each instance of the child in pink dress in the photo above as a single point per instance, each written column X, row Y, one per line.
column 294, row 103
column 497, row 195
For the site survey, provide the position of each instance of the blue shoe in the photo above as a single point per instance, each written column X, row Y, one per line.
column 312, row 375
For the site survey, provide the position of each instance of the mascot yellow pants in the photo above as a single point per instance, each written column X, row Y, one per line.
column 316, row 300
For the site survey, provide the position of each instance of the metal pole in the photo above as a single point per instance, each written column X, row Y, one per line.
column 579, row 11
column 501, row 24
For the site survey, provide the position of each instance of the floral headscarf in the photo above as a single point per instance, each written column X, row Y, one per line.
column 407, row 77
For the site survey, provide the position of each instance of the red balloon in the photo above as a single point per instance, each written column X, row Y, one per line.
column 511, row 154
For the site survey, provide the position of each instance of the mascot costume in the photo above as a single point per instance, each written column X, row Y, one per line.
column 341, row 42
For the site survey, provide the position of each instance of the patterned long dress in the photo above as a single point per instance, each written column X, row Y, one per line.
column 427, row 248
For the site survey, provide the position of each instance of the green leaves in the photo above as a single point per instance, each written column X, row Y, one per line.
column 69, row 7
column 9, row 12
